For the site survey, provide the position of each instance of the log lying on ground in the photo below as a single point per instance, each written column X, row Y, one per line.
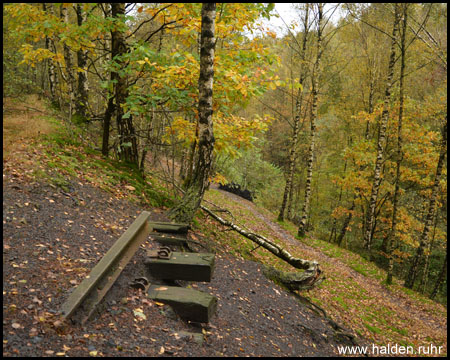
column 300, row 281
column 292, row 280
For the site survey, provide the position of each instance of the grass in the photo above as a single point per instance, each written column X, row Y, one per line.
column 373, row 329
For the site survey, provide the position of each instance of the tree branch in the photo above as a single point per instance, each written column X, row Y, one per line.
column 312, row 267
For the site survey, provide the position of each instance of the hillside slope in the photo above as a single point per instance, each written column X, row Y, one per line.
column 63, row 208
column 353, row 293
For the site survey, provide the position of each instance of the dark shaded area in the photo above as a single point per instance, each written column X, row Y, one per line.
column 237, row 189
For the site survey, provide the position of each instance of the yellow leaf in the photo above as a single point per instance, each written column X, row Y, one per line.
column 139, row 313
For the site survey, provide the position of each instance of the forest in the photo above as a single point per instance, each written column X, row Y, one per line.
column 336, row 125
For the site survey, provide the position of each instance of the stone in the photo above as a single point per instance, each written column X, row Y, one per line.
column 196, row 337
column 189, row 304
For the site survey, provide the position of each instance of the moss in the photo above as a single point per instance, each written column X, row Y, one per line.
column 372, row 328
column 273, row 274
column 342, row 302
column 79, row 119
column 403, row 332
column 359, row 269
column 39, row 174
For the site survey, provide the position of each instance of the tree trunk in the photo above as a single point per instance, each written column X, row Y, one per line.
column 441, row 277
column 368, row 234
column 110, row 106
column 185, row 210
column 390, row 242
column 274, row 248
column 315, row 91
column 106, row 125
column 333, row 227
column 68, row 58
column 346, row 223
column 191, row 159
column 127, row 137
column 412, row 274
column 366, row 136
column 426, row 264
column 52, row 76
column 182, row 174
column 291, row 196
column 298, row 106
column 82, row 93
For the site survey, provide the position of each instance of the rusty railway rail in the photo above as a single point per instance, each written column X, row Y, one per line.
column 83, row 301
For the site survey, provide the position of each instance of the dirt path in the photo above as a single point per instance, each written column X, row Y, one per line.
column 22, row 121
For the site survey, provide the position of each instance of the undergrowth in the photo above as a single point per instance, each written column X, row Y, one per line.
column 63, row 158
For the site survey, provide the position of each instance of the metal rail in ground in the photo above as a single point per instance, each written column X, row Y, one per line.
column 85, row 298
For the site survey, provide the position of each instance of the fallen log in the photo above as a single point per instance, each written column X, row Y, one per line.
column 295, row 281
column 312, row 275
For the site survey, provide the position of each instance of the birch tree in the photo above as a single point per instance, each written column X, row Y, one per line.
column 298, row 108
column 193, row 196
column 423, row 242
column 368, row 234
column 52, row 73
column 315, row 91
column 391, row 235
column 82, row 91
column 68, row 58
column 127, row 146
